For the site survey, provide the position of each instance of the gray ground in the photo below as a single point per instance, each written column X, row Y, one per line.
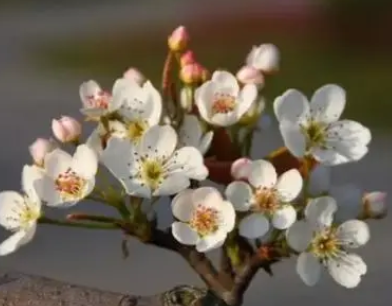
column 30, row 98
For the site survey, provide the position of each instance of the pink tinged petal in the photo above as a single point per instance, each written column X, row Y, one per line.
column 308, row 268
column 353, row 233
column 240, row 194
column 262, row 174
column 228, row 216
column 284, row 217
column 320, row 211
column 374, row 203
column 11, row 205
column 56, row 162
column 347, row 270
column 320, row 180
column 349, row 199
column 254, row 226
column 46, row 190
column 327, row 103
column 292, row 106
column 87, row 90
column 240, row 169
column 293, row 138
column 289, row 185
column 182, row 205
column 247, row 96
column 85, row 161
column 205, row 142
column 184, row 234
column 226, row 79
column 208, row 196
column 173, row 184
column 30, row 175
column 211, row 242
column 159, row 141
column 299, row 236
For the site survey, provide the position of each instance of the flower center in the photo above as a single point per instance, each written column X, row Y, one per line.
column 136, row 129
column 315, row 134
column 325, row 244
column 101, row 100
column 223, row 104
column 204, row 220
column 266, row 201
column 70, row 185
column 29, row 213
column 152, row 173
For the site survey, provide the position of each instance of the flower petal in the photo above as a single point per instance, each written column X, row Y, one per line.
column 46, row 189
column 203, row 99
column 308, row 268
column 12, row 243
column 226, row 80
column 211, row 242
column 327, row 103
column 208, row 196
column 173, row 184
column 159, row 141
column 347, row 270
column 56, row 162
column 292, row 106
column 299, row 235
column 293, row 138
column 87, row 90
column 239, row 194
column 289, row 185
column 254, row 226
column 11, row 204
column 284, row 217
column 354, row 233
column 205, row 142
column 349, row 199
column 182, row 205
column 190, row 131
column 319, row 180
column 262, row 174
column 30, row 174
column 85, row 161
column 135, row 187
column 247, row 96
column 184, row 234
column 320, row 211
column 228, row 216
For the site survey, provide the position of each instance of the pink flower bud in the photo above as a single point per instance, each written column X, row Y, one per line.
column 39, row 148
column 240, row 169
column 66, row 129
column 134, row 75
column 179, row 39
column 374, row 205
column 250, row 75
column 187, row 58
column 191, row 73
column 265, row 57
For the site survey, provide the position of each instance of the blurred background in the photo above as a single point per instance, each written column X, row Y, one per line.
column 48, row 48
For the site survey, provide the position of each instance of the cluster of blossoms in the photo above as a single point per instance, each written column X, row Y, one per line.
column 157, row 145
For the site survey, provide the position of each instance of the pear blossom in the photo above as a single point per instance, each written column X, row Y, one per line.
column 97, row 102
column 221, row 102
column 19, row 212
column 205, row 218
column 154, row 167
column 374, row 205
column 66, row 129
column 67, row 179
column 191, row 134
column 265, row 57
column 315, row 129
column 266, row 197
column 324, row 244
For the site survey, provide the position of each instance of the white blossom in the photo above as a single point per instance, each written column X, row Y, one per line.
column 221, row 101
column 265, row 57
column 266, row 197
column 154, row 167
column 204, row 217
column 315, row 129
column 323, row 244
column 191, row 134
column 68, row 179
column 19, row 212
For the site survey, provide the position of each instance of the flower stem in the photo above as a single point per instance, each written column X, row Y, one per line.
column 45, row 220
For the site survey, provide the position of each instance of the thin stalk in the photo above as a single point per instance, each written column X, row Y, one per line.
column 45, row 220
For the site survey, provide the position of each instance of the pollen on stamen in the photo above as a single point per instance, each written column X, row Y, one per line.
column 223, row 104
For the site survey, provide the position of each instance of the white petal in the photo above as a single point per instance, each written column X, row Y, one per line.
column 203, row 99
column 159, row 141
column 299, row 235
column 289, row 185
column 88, row 89
column 254, row 226
column 228, row 216
column 184, row 234
column 211, row 242
column 347, row 270
column 327, row 103
column 319, row 180
column 328, row 157
column 262, row 174
column 284, row 217
column 30, row 174
column 173, row 184
column 182, row 205
column 94, row 141
column 136, row 187
column 12, row 243
column 247, row 96
column 226, row 79
column 308, row 268
column 85, row 161
column 226, row 119
column 205, row 142
column 320, row 211
column 208, row 196
column 348, row 131
column 155, row 101
column 293, row 138
column 354, row 233
column 56, row 162
column 190, row 131
column 46, row 190
column 11, row 204
column 239, row 193
column 349, row 199
column 292, row 106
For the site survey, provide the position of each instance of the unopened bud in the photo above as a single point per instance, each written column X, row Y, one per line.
column 186, row 99
column 187, row 58
column 250, row 75
column 240, row 169
column 40, row 148
column 178, row 40
column 134, row 75
column 374, row 205
column 265, row 57
column 66, row 129
column 191, row 73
